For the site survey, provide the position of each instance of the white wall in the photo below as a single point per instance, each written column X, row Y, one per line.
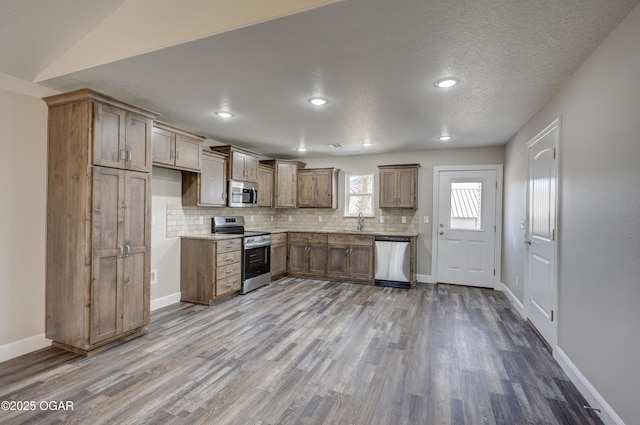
column 23, row 125
column 166, row 188
column 599, row 217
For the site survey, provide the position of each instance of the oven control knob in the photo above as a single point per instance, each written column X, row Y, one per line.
column 250, row 240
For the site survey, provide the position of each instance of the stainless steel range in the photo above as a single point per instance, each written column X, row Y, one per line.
column 256, row 251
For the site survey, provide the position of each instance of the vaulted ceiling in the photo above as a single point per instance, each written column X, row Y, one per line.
column 376, row 61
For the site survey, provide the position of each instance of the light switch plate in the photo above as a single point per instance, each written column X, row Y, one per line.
column 153, row 220
column 320, row 219
column 381, row 219
column 404, row 220
column 426, row 219
column 201, row 220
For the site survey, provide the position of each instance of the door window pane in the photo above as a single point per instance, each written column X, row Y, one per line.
column 466, row 205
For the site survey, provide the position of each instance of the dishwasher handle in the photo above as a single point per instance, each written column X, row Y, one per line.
column 392, row 239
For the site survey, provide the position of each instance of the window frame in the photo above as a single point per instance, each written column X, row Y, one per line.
column 348, row 194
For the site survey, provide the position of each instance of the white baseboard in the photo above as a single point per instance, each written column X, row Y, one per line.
column 514, row 300
column 24, row 346
column 165, row 301
column 608, row 416
column 424, row 278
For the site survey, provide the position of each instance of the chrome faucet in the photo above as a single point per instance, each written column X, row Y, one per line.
column 360, row 222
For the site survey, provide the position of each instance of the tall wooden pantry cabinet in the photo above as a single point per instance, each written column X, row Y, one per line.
column 98, row 220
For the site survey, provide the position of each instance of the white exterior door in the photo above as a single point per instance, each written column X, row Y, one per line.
column 541, row 231
column 466, row 227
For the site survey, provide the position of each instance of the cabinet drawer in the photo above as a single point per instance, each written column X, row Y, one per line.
column 227, row 285
column 224, row 272
column 278, row 238
column 227, row 258
column 308, row 237
column 347, row 239
column 228, row 245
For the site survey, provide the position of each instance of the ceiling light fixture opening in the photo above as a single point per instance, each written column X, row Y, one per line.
column 224, row 114
column 302, row 149
column 445, row 138
column 318, row 101
column 447, row 82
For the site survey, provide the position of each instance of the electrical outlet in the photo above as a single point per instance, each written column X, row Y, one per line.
column 290, row 218
column 272, row 219
column 252, row 219
column 319, row 219
column 381, row 219
column 426, row 219
column 154, row 276
column 153, row 220
column 200, row 220
column 404, row 220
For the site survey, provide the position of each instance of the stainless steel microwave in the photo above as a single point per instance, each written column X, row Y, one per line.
column 242, row 194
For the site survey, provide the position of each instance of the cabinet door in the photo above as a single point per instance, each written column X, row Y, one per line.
column 298, row 258
column 337, row 260
column 213, row 181
column 306, row 190
column 109, row 136
column 251, row 168
column 138, row 142
column 361, row 262
column 163, row 146
column 318, row 260
column 387, row 188
column 286, row 182
column 137, row 245
column 406, row 188
column 324, row 189
column 107, row 253
column 265, row 187
column 278, row 259
column 237, row 165
column 188, row 153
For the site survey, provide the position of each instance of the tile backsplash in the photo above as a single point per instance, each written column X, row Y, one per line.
column 183, row 221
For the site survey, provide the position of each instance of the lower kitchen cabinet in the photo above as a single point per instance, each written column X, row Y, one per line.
column 350, row 257
column 209, row 269
column 307, row 254
column 278, row 255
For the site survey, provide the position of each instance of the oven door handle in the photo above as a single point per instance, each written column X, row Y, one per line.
column 255, row 196
column 258, row 245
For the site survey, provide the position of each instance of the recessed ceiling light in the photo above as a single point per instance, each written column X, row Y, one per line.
column 447, row 82
column 224, row 114
column 445, row 138
column 367, row 144
column 302, row 149
column 318, row 101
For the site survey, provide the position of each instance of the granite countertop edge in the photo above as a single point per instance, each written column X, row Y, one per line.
column 212, row 236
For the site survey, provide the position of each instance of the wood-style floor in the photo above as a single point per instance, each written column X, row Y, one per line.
column 304, row 351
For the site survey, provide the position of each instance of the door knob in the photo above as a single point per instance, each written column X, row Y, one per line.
column 441, row 233
column 527, row 242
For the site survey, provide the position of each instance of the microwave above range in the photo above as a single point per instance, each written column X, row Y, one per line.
column 242, row 194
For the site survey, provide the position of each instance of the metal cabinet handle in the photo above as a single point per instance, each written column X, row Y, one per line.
column 171, row 154
column 129, row 155
column 177, row 153
column 120, row 251
column 127, row 250
column 122, row 155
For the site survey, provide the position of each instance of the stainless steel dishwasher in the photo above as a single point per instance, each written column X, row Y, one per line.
column 393, row 256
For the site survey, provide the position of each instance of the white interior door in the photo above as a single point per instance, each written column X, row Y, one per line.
column 466, row 227
column 541, row 231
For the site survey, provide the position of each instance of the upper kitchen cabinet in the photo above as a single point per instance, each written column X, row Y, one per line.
column 317, row 188
column 121, row 136
column 176, row 148
column 265, row 186
column 399, row 186
column 243, row 164
column 285, row 182
column 98, row 220
column 209, row 187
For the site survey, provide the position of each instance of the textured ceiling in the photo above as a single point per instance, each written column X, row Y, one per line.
column 376, row 61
